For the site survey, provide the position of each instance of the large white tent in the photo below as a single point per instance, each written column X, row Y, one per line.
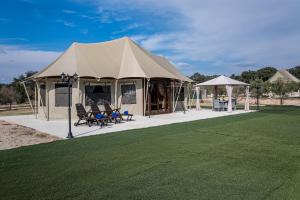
column 228, row 83
column 117, row 59
column 119, row 72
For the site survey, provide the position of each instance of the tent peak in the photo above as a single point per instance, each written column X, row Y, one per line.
column 125, row 39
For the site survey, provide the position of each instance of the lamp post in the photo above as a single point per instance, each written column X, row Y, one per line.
column 65, row 78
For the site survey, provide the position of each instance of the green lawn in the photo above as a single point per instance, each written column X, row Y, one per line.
column 249, row 156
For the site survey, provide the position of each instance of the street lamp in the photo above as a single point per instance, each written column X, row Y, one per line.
column 65, row 78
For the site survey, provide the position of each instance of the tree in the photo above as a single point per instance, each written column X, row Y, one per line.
column 282, row 88
column 248, row 76
column 258, row 87
column 265, row 73
column 236, row 77
column 20, row 94
column 295, row 71
column 199, row 78
column 7, row 95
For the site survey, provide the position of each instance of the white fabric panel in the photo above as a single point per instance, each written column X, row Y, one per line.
column 229, row 93
column 197, row 98
column 247, row 99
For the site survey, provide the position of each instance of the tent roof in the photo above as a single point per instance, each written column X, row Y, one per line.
column 285, row 75
column 222, row 80
column 120, row 58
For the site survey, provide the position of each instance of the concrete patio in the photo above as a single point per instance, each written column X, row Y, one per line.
column 59, row 128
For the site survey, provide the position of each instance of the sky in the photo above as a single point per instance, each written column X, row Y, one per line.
column 205, row 36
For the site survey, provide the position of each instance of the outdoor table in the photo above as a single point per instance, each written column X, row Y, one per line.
column 223, row 103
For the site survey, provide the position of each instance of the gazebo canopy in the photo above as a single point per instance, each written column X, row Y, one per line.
column 222, row 80
column 228, row 83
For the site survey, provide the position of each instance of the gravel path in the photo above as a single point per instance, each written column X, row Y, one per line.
column 13, row 136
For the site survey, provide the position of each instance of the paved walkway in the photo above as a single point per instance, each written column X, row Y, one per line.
column 59, row 128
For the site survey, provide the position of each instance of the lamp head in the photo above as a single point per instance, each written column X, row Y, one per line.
column 75, row 77
column 63, row 76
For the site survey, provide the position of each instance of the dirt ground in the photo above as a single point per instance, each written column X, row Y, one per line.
column 13, row 136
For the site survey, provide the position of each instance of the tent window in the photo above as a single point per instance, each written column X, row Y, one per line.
column 181, row 93
column 128, row 94
column 42, row 95
column 98, row 94
column 61, row 95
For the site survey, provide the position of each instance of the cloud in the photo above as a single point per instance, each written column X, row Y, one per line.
column 84, row 31
column 228, row 35
column 65, row 23
column 69, row 11
column 15, row 60
column 127, row 28
column 6, row 40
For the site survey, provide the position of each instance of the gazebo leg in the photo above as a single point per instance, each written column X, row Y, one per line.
column 229, row 93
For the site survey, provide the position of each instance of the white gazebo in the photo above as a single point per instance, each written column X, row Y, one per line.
column 229, row 84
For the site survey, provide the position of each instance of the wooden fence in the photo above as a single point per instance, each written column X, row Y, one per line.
column 15, row 107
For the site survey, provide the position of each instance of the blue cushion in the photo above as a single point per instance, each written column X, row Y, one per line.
column 126, row 112
column 114, row 114
column 99, row 116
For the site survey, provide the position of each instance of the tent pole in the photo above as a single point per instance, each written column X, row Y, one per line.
column 28, row 97
column 78, row 89
column 47, row 99
column 178, row 96
column 173, row 96
column 188, row 97
column 35, row 99
column 190, row 92
column 148, row 80
column 42, row 102
column 116, row 94
column 144, row 97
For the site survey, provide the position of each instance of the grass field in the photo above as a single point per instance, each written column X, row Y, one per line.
column 248, row 156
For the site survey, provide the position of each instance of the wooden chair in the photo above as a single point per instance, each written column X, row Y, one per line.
column 83, row 116
column 109, row 110
column 96, row 112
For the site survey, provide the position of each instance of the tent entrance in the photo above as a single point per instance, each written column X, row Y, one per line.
column 159, row 97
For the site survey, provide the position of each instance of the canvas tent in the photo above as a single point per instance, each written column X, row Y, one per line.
column 229, row 83
column 119, row 72
column 285, row 76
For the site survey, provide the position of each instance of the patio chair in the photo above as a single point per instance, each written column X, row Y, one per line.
column 83, row 116
column 217, row 105
column 126, row 113
column 113, row 115
column 233, row 104
column 99, row 115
